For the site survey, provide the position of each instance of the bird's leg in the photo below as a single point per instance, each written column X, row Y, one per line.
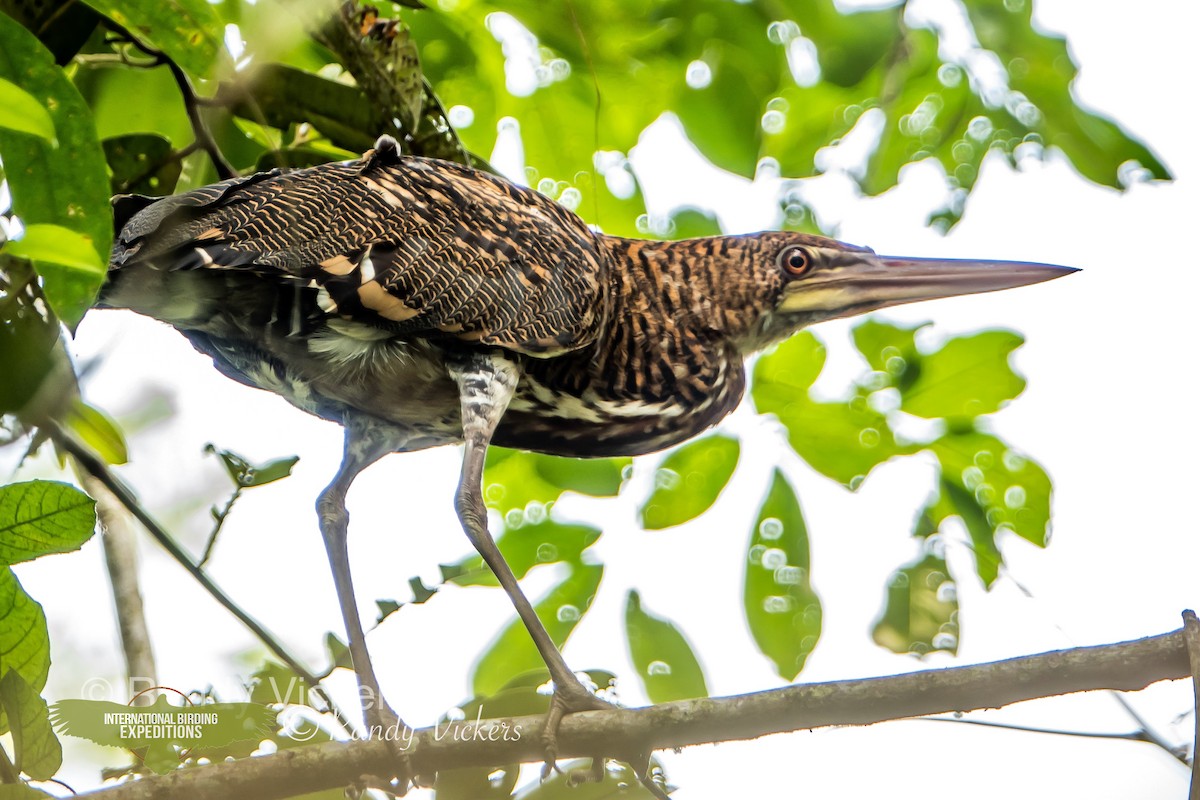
column 364, row 446
column 486, row 384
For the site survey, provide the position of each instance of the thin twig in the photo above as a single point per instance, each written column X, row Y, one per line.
column 92, row 465
column 191, row 101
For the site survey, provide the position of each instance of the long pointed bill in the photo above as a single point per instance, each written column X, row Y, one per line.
column 872, row 282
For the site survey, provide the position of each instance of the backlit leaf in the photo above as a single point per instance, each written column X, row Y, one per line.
column 689, row 480
column 782, row 610
column 38, row 518
column 661, row 655
column 921, row 612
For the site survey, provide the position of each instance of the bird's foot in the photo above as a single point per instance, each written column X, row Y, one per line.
column 568, row 698
column 385, row 725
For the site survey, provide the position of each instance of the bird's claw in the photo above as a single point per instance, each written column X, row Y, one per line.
column 567, row 699
column 383, row 720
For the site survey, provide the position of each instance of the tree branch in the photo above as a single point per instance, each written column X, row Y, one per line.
column 383, row 59
column 1191, row 635
column 622, row 733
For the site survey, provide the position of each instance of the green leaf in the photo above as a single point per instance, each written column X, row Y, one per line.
column 689, row 480
column 21, row 111
column 38, row 518
column 782, row 610
column 525, row 547
column 596, row 477
column 843, row 440
column 619, row 781
column 188, row 31
column 24, row 642
column 891, row 352
column 56, row 245
column 921, row 611
column 661, row 655
column 37, row 751
column 27, row 347
column 246, row 475
column 513, row 482
column 560, row 610
column 968, row 376
column 994, row 488
column 142, row 163
column 1041, row 68
column 65, row 185
column 476, row 783
column 98, row 431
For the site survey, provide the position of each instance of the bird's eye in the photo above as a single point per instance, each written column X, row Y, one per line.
column 795, row 260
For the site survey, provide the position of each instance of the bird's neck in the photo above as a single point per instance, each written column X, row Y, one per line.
column 697, row 288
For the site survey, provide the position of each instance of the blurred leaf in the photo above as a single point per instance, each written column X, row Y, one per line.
column 65, row 185
column 27, row 341
column 39, row 518
column 23, row 637
column 469, row 783
column 661, row 655
column 186, row 30
column 842, row 440
column 993, row 488
column 21, row 111
column 98, row 431
column 37, row 752
column 275, row 684
column 689, row 480
column 968, row 376
column 782, row 610
column 512, row 482
column 691, row 223
column 513, row 652
column 890, row 350
column 421, row 594
column 921, row 611
column 619, row 781
column 525, row 547
column 142, row 163
column 597, row 477
column 1040, row 67
column 54, row 244
column 339, row 653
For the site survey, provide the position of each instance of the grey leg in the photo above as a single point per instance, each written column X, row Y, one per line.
column 486, row 384
column 365, row 444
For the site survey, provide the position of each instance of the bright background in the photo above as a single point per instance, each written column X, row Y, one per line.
column 1107, row 412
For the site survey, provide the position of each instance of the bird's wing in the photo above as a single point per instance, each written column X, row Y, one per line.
column 411, row 245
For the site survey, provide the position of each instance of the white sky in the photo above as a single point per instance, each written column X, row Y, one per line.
column 1106, row 412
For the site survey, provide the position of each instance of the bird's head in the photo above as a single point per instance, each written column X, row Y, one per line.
column 802, row 279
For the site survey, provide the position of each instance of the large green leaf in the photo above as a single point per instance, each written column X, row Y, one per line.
column 782, row 610
column 42, row 517
column 689, row 480
column 843, row 440
column 661, row 655
column 968, row 376
column 513, row 653
column 186, row 30
column 24, row 642
column 21, row 111
column 921, row 612
column 37, row 751
column 63, row 185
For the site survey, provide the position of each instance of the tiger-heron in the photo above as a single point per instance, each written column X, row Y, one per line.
column 420, row 303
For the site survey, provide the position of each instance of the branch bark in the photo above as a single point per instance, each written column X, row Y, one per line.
column 623, row 733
